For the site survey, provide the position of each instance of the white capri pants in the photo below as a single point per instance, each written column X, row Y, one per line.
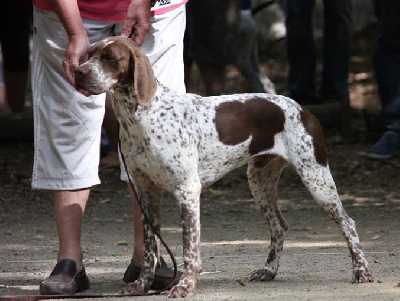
column 67, row 125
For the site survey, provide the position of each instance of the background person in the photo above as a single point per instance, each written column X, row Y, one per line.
column 387, row 73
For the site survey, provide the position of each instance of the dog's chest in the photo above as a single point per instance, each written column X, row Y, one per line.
column 167, row 129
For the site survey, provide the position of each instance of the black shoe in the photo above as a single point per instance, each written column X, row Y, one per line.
column 65, row 280
column 164, row 275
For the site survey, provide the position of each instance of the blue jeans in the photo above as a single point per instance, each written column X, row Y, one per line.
column 301, row 49
column 387, row 61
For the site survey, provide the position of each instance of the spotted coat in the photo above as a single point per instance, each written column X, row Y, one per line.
column 181, row 143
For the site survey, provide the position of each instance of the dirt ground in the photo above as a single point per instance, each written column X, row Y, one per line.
column 315, row 264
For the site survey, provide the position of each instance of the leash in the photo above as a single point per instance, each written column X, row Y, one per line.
column 147, row 221
column 52, row 297
column 76, row 296
column 93, row 296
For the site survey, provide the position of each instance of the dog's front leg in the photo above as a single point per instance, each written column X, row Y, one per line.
column 149, row 198
column 190, row 216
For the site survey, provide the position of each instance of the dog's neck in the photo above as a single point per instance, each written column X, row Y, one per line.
column 124, row 98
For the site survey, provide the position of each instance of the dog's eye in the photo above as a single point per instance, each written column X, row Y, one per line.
column 91, row 51
column 109, row 58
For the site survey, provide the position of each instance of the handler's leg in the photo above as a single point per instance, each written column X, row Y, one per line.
column 69, row 208
column 67, row 128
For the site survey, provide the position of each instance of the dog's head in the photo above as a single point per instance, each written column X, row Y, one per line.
column 113, row 62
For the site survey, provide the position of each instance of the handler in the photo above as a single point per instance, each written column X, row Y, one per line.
column 67, row 125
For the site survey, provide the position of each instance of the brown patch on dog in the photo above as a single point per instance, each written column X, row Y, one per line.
column 236, row 121
column 313, row 127
column 133, row 66
column 144, row 79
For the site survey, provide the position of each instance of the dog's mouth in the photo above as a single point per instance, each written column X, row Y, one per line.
column 83, row 91
column 87, row 89
column 86, row 84
column 90, row 86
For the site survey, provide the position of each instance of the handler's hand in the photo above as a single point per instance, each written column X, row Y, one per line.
column 75, row 54
column 137, row 22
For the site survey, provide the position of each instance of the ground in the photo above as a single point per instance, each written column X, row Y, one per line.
column 315, row 264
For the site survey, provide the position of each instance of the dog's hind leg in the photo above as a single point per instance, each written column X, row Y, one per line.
column 263, row 174
column 306, row 152
column 319, row 182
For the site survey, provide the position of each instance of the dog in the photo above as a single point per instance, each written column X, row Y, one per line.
column 180, row 143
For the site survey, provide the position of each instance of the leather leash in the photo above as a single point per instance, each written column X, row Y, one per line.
column 147, row 221
column 76, row 296
column 93, row 296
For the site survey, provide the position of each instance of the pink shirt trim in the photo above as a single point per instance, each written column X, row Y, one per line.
column 108, row 10
column 163, row 10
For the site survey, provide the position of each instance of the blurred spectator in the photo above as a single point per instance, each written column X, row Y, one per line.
column 15, row 29
column 302, row 54
column 228, row 37
column 3, row 101
column 387, row 72
column 212, row 30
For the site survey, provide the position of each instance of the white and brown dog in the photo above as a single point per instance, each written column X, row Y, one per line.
column 180, row 143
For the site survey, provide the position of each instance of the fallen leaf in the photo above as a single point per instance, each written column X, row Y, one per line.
column 105, row 201
column 376, row 237
column 241, row 282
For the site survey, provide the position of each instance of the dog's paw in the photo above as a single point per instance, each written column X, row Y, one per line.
column 134, row 288
column 262, row 275
column 180, row 291
column 362, row 275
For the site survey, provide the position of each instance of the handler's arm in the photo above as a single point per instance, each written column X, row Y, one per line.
column 68, row 12
column 137, row 22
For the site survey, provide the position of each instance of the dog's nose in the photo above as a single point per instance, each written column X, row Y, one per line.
column 81, row 72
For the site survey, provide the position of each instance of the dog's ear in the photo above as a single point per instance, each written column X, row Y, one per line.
column 144, row 80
